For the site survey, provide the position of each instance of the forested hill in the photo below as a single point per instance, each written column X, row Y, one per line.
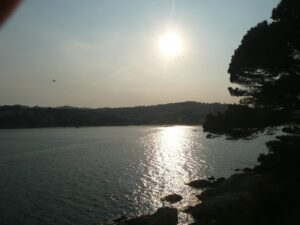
column 18, row 116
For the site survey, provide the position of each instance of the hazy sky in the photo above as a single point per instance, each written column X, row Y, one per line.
column 107, row 53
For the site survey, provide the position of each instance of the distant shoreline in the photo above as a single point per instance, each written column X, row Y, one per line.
column 139, row 125
column 183, row 113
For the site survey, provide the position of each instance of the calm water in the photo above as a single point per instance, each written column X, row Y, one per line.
column 83, row 176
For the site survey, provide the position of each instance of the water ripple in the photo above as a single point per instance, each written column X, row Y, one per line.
column 87, row 175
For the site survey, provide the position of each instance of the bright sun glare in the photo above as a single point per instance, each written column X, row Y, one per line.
column 171, row 44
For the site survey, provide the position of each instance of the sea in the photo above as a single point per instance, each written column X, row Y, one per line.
column 88, row 176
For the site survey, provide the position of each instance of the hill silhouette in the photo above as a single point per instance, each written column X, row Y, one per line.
column 18, row 116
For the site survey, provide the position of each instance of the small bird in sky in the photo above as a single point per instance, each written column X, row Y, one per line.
column 53, row 81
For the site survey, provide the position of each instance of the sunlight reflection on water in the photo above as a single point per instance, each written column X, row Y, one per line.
column 87, row 175
column 176, row 155
column 170, row 156
column 168, row 153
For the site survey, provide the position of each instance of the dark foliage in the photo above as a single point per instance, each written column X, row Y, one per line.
column 266, row 65
column 266, row 69
column 177, row 113
column 243, row 122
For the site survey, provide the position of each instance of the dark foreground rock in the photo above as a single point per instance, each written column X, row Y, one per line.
column 163, row 216
column 265, row 195
column 205, row 183
column 173, row 198
column 226, row 197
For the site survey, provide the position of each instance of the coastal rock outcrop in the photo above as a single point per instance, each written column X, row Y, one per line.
column 172, row 198
column 205, row 183
column 226, row 196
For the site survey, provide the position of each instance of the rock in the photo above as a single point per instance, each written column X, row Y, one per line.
column 229, row 195
column 167, row 216
column 246, row 170
column 216, row 206
column 220, row 180
column 235, row 183
column 209, row 136
column 173, row 198
column 205, row 183
column 201, row 183
column 212, row 135
column 199, row 196
column 211, row 178
column 163, row 216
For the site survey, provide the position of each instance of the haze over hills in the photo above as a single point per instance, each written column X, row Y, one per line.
column 19, row 116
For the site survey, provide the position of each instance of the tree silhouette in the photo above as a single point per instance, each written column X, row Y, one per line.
column 265, row 69
column 266, row 65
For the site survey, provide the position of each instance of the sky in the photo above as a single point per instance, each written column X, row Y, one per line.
column 108, row 53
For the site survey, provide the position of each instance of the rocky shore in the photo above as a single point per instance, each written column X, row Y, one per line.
column 265, row 195
column 217, row 196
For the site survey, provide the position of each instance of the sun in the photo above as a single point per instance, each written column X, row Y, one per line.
column 170, row 44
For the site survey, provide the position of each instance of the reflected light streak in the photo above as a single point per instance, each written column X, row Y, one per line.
column 171, row 148
column 170, row 156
